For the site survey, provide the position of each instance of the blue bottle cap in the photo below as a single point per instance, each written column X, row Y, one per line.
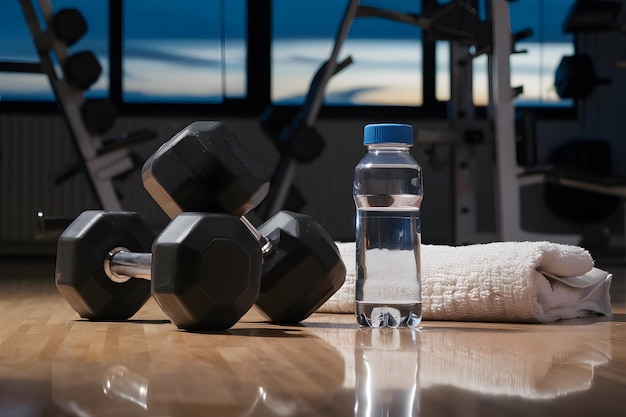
column 387, row 133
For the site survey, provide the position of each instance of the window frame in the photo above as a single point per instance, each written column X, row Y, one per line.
column 258, row 83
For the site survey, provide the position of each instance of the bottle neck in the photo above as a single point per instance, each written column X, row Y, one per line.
column 388, row 146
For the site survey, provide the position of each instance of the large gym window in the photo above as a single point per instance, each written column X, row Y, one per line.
column 196, row 52
column 386, row 55
column 170, row 53
column 184, row 52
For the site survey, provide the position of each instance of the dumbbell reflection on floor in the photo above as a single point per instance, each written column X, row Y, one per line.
column 205, row 167
column 211, row 380
column 214, row 386
column 205, row 268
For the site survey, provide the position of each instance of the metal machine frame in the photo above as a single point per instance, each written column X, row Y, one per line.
column 102, row 164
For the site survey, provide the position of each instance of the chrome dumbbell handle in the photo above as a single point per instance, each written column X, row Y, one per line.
column 120, row 265
column 264, row 242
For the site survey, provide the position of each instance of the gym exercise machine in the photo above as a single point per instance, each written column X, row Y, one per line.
column 297, row 140
column 509, row 173
column 469, row 37
column 70, row 74
column 492, row 37
column 457, row 22
column 581, row 169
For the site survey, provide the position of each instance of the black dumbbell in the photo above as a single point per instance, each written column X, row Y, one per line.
column 301, row 142
column 575, row 77
column 204, row 269
column 69, row 25
column 292, row 137
column 205, row 166
column 275, row 119
column 98, row 115
column 82, row 69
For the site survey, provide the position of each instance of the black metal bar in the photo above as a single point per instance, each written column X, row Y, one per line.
column 116, row 29
column 27, row 67
column 408, row 18
column 429, row 72
column 259, row 39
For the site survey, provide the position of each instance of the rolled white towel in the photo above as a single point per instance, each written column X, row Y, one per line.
column 534, row 282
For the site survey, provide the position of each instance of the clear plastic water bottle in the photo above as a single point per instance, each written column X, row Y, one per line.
column 388, row 193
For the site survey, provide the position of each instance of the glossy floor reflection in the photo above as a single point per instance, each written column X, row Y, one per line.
column 54, row 364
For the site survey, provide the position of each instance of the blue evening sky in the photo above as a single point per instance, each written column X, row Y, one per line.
column 163, row 38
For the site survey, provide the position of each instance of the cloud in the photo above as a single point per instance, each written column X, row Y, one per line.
column 167, row 55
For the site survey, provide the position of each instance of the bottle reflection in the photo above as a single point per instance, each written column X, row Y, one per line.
column 387, row 372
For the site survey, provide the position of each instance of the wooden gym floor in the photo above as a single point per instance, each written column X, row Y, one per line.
column 54, row 364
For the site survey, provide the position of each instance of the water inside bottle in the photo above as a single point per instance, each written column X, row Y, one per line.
column 388, row 290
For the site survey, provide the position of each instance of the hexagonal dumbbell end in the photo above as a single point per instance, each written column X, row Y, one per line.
column 205, row 168
column 303, row 270
column 81, row 252
column 206, row 271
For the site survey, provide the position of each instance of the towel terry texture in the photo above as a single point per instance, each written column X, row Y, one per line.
column 499, row 282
